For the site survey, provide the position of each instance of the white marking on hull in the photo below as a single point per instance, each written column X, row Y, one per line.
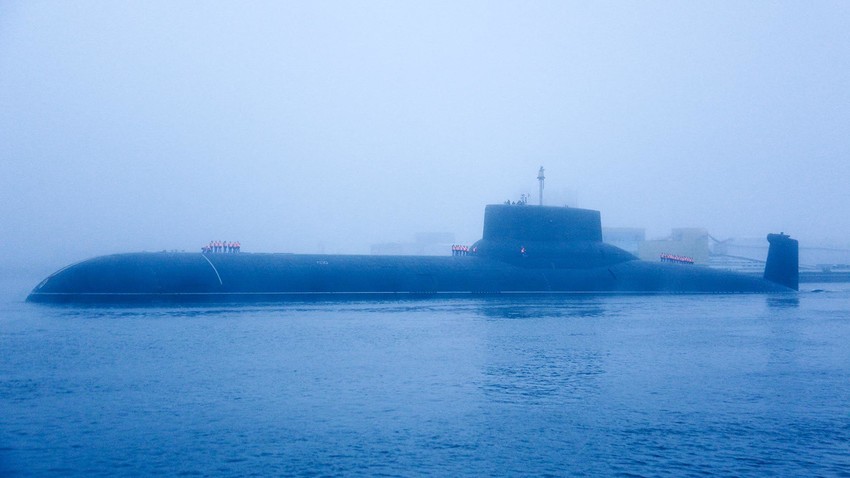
column 214, row 269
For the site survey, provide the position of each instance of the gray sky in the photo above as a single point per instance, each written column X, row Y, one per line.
column 294, row 126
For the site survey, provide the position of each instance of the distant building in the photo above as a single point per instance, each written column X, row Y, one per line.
column 626, row 238
column 689, row 242
column 738, row 254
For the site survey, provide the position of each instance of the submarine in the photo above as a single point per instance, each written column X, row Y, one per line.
column 524, row 249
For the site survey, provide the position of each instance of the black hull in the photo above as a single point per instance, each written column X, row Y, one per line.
column 524, row 250
column 197, row 278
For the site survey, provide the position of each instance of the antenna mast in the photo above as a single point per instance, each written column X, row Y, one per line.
column 540, row 178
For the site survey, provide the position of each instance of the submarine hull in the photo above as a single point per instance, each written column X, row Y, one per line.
column 189, row 277
column 524, row 250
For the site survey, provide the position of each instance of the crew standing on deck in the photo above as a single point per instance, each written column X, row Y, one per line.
column 460, row 250
column 222, row 246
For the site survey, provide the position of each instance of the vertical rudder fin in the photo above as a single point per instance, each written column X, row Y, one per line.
column 782, row 265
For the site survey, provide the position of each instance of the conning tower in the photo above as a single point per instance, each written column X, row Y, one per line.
column 546, row 236
column 541, row 223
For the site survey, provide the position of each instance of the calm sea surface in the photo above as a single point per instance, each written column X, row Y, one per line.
column 739, row 385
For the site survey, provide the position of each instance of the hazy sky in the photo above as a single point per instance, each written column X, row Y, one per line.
column 293, row 126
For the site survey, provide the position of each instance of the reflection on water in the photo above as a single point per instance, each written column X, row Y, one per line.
column 546, row 365
column 525, row 307
column 783, row 301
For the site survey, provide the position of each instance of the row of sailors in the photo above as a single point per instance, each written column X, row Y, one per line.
column 676, row 259
column 458, row 250
column 221, row 246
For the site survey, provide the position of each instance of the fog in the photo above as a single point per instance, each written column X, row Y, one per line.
column 330, row 126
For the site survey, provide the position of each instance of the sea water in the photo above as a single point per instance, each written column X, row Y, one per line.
column 579, row 385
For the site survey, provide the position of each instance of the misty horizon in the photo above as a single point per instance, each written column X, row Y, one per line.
column 332, row 126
